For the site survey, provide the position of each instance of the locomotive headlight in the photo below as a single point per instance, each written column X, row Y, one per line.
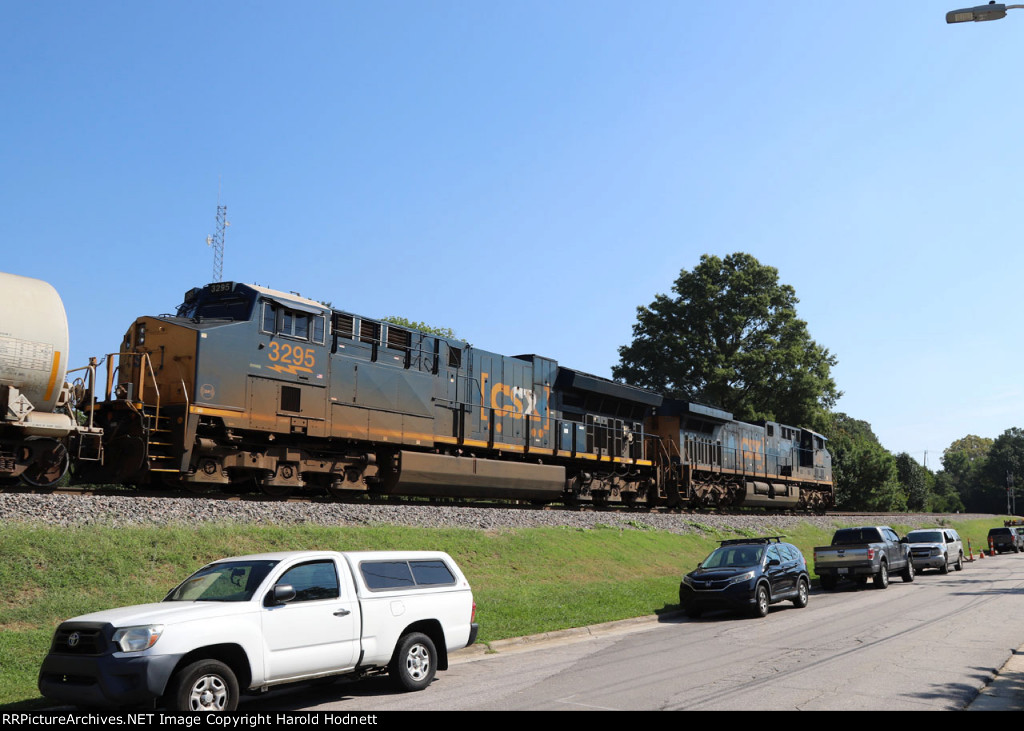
column 137, row 639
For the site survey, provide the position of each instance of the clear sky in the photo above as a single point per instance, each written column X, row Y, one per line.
column 529, row 172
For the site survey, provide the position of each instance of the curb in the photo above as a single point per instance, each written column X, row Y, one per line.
column 480, row 650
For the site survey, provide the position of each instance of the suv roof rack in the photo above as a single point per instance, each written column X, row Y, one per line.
column 763, row 539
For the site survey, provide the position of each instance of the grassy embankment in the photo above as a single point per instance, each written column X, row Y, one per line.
column 524, row 581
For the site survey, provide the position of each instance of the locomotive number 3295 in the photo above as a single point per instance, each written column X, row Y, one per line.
column 293, row 354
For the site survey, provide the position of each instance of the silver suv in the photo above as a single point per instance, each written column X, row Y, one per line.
column 936, row 548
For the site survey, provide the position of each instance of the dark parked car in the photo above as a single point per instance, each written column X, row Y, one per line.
column 747, row 574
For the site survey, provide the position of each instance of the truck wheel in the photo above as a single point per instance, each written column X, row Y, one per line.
column 206, row 685
column 414, row 663
column 944, row 568
column 882, row 577
column 761, row 602
column 828, row 583
column 959, row 562
column 908, row 572
column 802, row 594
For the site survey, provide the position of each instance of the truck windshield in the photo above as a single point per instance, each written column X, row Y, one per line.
column 232, row 581
column 853, row 536
column 925, row 536
column 730, row 556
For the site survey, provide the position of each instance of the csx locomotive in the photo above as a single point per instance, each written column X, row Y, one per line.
column 248, row 388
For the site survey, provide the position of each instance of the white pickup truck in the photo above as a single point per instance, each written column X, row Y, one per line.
column 247, row 623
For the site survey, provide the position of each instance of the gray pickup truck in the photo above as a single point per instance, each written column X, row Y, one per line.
column 857, row 553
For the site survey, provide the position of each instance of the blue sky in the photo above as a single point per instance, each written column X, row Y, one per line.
column 528, row 173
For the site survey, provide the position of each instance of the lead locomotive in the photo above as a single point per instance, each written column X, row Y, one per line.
column 246, row 387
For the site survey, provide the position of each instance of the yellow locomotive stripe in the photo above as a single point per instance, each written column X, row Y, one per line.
column 210, row 411
column 53, row 375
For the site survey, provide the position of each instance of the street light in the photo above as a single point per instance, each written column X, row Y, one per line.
column 992, row 11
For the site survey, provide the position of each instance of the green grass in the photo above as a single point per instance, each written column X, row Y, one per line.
column 524, row 581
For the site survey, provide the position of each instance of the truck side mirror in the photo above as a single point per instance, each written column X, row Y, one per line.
column 280, row 594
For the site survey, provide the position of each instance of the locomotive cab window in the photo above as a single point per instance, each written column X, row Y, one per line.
column 279, row 320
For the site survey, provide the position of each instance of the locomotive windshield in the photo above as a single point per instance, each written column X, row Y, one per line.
column 206, row 305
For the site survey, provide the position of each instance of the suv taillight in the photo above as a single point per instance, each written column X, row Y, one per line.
column 472, row 615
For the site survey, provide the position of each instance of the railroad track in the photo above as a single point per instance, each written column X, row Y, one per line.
column 365, row 499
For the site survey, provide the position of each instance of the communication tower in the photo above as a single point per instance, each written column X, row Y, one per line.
column 217, row 241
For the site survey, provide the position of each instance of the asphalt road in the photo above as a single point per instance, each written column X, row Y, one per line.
column 928, row 645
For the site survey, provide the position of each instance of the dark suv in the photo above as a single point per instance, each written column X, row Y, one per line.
column 746, row 574
column 1004, row 539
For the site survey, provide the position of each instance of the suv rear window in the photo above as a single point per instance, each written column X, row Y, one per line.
column 380, row 575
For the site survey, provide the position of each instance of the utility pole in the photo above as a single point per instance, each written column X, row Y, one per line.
column 1011, row 499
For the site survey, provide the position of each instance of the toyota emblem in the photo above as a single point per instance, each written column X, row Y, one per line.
column 73, row 639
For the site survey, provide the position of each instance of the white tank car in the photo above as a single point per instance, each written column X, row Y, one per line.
column 35, row 420
column 33, row 339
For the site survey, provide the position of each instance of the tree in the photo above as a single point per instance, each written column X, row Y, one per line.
column 964, row 463
column 1005, row 462
column 914, row 480
column 863, row 471
column 443, row 332
column 731, row 337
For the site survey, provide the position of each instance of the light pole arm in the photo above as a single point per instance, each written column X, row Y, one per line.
column 979, row 13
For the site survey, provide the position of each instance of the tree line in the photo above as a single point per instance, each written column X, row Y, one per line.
column 730, row 337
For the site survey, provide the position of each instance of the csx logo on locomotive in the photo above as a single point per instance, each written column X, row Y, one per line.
column 515, row 401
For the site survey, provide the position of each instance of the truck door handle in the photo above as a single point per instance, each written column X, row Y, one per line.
column 342, row 613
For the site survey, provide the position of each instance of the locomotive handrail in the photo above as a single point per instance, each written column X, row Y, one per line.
column 147, row 363
column 90, row 385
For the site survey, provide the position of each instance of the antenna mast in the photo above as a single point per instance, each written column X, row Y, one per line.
column 217, row 240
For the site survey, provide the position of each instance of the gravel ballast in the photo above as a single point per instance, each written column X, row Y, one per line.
column 70, row 510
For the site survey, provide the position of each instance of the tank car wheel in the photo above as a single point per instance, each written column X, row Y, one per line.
column 50, row 466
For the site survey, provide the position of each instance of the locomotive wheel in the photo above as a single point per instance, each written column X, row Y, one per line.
column 49, row 466
column 277, row 491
